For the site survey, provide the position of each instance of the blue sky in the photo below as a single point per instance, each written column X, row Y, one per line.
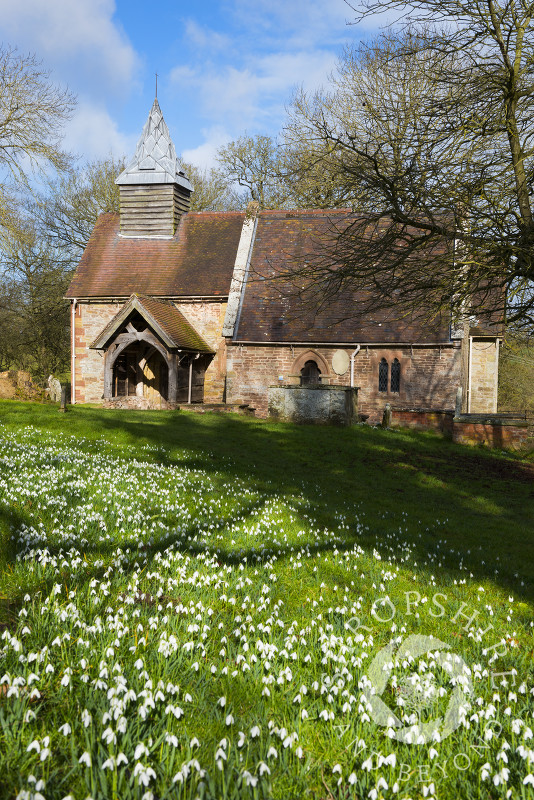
column 225, row 68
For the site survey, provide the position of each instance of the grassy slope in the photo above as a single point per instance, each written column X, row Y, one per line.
column 484, row 500
column 466, row 514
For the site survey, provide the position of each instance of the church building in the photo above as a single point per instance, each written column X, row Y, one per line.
column 172, row 307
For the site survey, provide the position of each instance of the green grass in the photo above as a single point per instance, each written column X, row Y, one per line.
column 267, row 547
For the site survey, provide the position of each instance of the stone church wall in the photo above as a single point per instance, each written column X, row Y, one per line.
column 207, row 318
column 91, row 318
column 484, row 371
column 429, row 375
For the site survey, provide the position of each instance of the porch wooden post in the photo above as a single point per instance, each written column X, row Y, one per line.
column 173, row 377
column 189, row 391
column 108, row 375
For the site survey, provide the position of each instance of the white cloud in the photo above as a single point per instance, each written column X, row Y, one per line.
column 204, row 155
column 205, row 38
column 92, row 133
column 250, row 96
column 77, row 38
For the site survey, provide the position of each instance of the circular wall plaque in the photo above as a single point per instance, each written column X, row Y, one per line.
column 340, row 362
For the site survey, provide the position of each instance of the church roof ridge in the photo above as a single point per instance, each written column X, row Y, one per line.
column 155, row 159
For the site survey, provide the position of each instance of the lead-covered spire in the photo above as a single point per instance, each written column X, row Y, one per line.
column 155, row 156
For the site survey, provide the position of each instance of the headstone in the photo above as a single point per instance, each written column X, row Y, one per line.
column 386, row 417
column 63, row 406
column 458, row 409
column 54, row 389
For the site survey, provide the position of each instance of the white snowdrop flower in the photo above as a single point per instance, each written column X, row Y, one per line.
column 382, row 784
column 501, row 777
column 272, row 752
column 187, row 698
column 304, row 714
column 140, row 750
column 299, row 752
column 143, row 774
column 229, row 719
column 373, row 794
column 65, row 729
column 85, row 758
column 121, row 759
column 221, row 702
column 86, row 718
column 528, row 779
column 250, row 779
column 109, row 736
column 35, row 745
column 68, row 797
column 337, row 768
column 194, row 742
column 109, row 763
column 255, row 731
column 368, row 764
column 352, row 778
column 432, row 753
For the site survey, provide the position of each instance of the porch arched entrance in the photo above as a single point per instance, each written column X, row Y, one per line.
column 141, row 371
column 153, row 353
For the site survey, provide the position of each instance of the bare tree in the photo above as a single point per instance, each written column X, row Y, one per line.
column 212, row 189
column 255, row 164
column 432, row 127
column 68, row 208
column 32, row 114
column 34, row 321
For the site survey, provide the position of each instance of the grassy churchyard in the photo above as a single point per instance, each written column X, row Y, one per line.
column 218, row 607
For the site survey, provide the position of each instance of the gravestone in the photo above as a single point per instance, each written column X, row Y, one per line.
column 54, row 389
column 386, row 417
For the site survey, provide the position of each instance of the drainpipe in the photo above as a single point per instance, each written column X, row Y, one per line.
column 73, row 354
column 470, row 362
column 352, row 357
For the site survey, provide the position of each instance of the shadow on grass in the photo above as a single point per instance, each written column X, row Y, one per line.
column 440, row 496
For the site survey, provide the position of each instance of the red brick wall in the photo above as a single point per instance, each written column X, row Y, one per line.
column 509, row 437
column 421, row 419
column 429, row 377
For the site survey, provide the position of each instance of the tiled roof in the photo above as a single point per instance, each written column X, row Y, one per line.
column 197, row 261
column 164, row 319
column 270, row 314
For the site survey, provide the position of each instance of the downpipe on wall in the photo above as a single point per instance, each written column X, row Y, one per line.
column 352, row 357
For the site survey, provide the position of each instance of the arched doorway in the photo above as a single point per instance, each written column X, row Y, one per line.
column 310, row 374
column 140, row 370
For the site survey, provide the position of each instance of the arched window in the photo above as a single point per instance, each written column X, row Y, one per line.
column 383, row 376
column 395, row 376
column 310, row 374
